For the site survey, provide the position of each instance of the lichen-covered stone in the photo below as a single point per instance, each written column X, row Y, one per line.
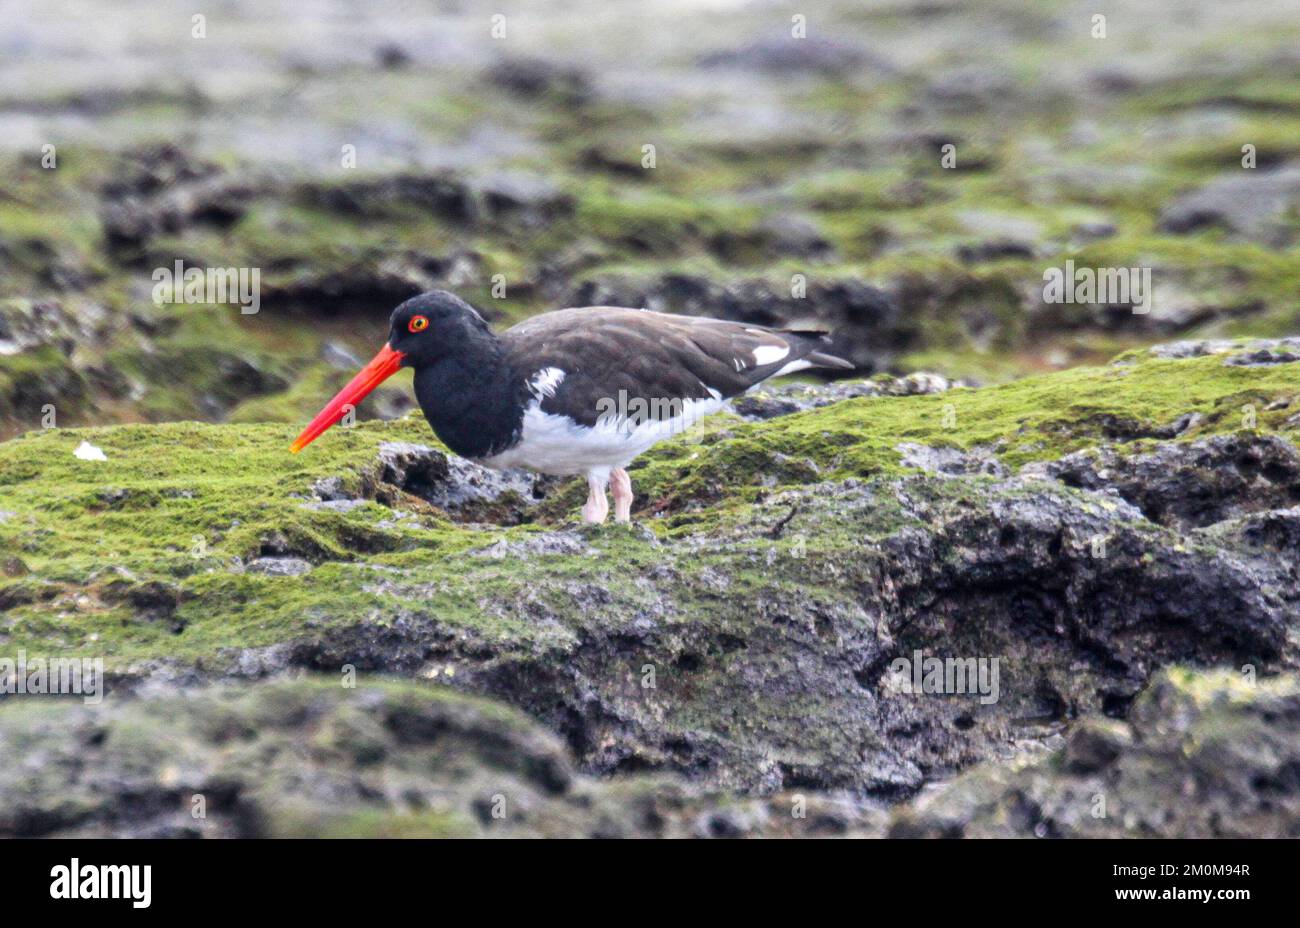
column 1202, row 755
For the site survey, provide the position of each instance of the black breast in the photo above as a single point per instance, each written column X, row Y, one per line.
column 475, row 410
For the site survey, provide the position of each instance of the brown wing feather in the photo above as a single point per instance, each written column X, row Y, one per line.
column 650, row 356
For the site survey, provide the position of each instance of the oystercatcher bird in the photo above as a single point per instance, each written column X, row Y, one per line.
column 575, row 391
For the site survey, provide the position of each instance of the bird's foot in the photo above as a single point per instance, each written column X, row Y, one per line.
column 621, row 486
column 596, row 508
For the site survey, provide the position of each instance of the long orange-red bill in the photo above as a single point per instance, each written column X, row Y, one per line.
column 381, row 367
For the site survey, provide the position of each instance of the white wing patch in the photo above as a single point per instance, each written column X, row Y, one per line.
column 546, row 381
column 770, row 354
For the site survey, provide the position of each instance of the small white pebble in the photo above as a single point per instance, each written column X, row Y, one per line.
column 88, row 452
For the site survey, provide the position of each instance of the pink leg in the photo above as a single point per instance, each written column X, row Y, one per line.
column 597, row 507
column 621, row 484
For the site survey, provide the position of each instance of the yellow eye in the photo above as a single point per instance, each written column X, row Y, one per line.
column 418, row 323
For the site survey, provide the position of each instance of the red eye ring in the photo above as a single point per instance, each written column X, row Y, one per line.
column 418, row 324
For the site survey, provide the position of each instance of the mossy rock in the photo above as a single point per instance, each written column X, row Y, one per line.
column 741, row 632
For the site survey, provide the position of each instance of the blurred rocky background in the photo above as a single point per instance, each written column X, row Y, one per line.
column 521, row 155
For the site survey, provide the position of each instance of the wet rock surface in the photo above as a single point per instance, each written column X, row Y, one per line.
column 860, row 644
column 467, row 491
column 317, row 759
column 1200, row 756
column 311, row 759
column 1193, row 485
column 1012, row 571
column 1250, row 204
column 463, row 490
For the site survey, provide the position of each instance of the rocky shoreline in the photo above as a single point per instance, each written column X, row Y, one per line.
column 294, row 639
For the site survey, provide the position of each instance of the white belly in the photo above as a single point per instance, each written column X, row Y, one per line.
column 554, row 444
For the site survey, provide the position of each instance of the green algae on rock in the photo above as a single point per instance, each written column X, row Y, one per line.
column 742, row 634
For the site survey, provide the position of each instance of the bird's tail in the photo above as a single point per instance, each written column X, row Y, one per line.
column 817, row 357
